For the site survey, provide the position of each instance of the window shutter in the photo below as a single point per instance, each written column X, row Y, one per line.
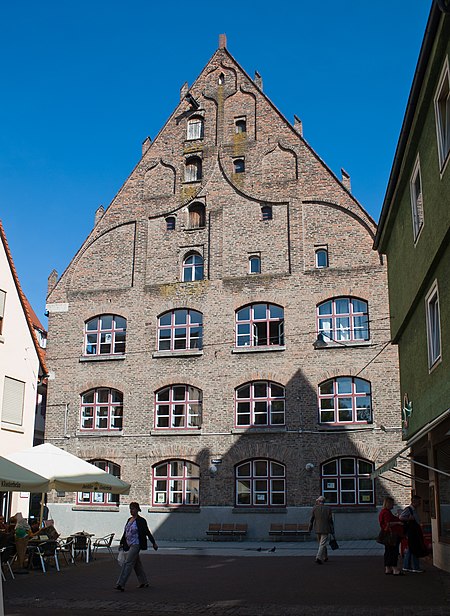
column 13, row 395
column 2, row 303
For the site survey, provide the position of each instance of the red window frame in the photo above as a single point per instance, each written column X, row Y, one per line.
column 176, row 487
column 358, row 320
column 194, row 264
column 265, row 322
column 258, row 488
column 256, row 406
column 105, row 336
column 346, row 486
column 171, row 409
column 179, row 329
column 98, row 410
column 337, row 399
column 101, row 498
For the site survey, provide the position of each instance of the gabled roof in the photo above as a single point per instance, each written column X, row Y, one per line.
column 27, row 310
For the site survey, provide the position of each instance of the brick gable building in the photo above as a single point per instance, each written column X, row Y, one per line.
column 221, row 337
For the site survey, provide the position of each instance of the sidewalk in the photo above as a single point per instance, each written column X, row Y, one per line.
column 235, row 579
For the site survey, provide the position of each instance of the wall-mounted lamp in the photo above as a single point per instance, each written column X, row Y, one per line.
column 309, row 466
column 213, row 471
column 320, row 342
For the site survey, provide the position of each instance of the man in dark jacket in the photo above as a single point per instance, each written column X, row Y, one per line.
column 134, row 539
column 322, row 522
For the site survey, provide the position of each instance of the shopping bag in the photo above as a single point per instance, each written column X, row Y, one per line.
column 333, row 543
column 121, row 557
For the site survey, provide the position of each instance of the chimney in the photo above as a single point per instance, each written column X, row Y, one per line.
column 184, row 90
column 98, row 214
column 346, row 180
column 258, row 80
column 146, row 144
column 298, row 125
column 222, row 41
column 51, row 281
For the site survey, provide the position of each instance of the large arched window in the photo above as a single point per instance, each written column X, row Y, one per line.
column 192, row 267
column 105, row 335
column 100, row 498
column 179, row 330
column 344, row 400
column 193, row 170
column 260, row 325
column 197, row 216
column 343, row 319
column 176, row 483
column 260, row 403
column 346, row 481
column 102, row 409
column 195, row 128
column 260, row 483
column 178, row 407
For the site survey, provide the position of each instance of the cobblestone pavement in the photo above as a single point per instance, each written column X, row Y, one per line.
column 218, row 582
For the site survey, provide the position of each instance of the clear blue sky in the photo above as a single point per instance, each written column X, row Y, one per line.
column 85, row 82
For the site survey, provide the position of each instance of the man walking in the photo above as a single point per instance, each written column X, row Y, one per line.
column 322, row 523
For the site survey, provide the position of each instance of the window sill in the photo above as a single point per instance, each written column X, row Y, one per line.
column 101, row 357
column 352, row 508
column 345, row 428
column 180, row 353
column 100, row 433
column 174, row 509
column 258, row 430
column 258, row 349
column 262, row 509
column 12, row 427
column 191, row 182
column 86, row 507
column 345, row 344
column 175, row 431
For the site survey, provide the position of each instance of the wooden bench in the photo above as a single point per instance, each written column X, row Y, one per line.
column 216, row 530
column 289, row 530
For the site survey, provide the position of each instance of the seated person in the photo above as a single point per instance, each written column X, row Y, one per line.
column 22, row 533
column 3, row 525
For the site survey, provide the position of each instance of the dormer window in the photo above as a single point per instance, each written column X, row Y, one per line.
column 195, row 128
column 193, row 170
column 240, row 125
column 239, row 165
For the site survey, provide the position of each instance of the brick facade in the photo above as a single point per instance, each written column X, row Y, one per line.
column 131, row 265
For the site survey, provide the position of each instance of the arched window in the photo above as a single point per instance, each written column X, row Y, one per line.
column 254, row 264
column 221, row 79
column 105, row 335
column 179, row 330
column 193, row 170
column 195, row 128
column 176, row 483
column 343, row 319
column 239, row 165
column 266, row 212
column 321, row 258
column 193, row 267
column 260, row 483
column 260, row 325
column 178, row 407
column 100, row 498
column 102, row 409
column 240, row 125
column 345, row 400
column 170, row 223
column 346, row 481
column 197, row 216
column 260, row 403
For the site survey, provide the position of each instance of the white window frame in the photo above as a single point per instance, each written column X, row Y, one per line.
column 13, row 402
column 321, row 250
column 173, row 488
column 442, row 113
column 416, row 200
column 2, row 309
column 433, row 319
column 194, row 129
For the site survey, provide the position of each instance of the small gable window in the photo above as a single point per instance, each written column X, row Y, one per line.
column 221, row 79
column 170, row 223
column 240, row 125
column 193, row 267
column 321, row 258
column 193, row 170
column 196, row 216
column 266, row 212
column 195, row 128
column 254, row 264
column 239, row 165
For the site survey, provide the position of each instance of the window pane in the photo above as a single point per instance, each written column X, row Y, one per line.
column 260, row 468
column 106, row 321
column 330, row 468
column 243, row 314
column 326, row 388
column 325, row 309
column 344, row 385
column 364, row 468
column 347, row 466
column 244, row 470
column 342, row 306
column 180, row 317
column 195, row 317
column 260, row 311
column 260, row 390
column 179, row 392
column 244, row 392
column 276, row 312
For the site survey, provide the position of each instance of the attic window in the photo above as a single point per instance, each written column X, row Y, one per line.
column 266, row 212
column 221, row 79
column 193, row 171
column 170, row 223
column 195, row 128
column 2, row 309
column 197, row 216
column 240, row 125
column 239, row 165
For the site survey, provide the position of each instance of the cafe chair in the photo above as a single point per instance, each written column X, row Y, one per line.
column 103, row 542
column 81, row 546
column 7, row 555
column 65, row 549
column 46, row 552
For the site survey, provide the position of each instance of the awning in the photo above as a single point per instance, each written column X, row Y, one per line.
column 392, row 462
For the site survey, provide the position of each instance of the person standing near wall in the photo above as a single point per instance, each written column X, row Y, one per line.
column 134, row 539
column 322, row 523
column 416, row 544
